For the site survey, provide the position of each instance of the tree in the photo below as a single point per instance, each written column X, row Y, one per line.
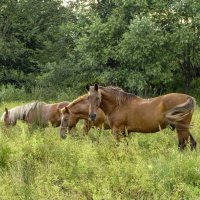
column 29, row 29
column 146, row 47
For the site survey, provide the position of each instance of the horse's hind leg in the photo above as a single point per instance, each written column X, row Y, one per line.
column 193, row 143
column 184, row 137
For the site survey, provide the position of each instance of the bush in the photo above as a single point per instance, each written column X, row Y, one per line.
column 11, row 93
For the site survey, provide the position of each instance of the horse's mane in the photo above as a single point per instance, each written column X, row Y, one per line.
column 83, row 97
column 20, row 112
column 119, row 93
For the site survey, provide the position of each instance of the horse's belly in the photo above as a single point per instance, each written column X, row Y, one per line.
column 146, row 127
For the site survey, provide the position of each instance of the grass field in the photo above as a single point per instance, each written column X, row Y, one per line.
column 40, row 165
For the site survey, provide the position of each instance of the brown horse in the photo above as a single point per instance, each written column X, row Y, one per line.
column 128, row 112
column 34, row 113
column 79, row 109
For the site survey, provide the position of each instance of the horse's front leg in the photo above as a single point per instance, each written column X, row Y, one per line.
column 87, row 126
column 118, row 132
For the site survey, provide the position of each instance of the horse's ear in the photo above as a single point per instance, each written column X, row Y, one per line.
column 87, row 87
column 96, row 87
column 6, row 110
column 67, row 109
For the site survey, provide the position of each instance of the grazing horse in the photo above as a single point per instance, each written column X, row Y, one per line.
column 35, row 113
column 79, row 109
column 130, row 113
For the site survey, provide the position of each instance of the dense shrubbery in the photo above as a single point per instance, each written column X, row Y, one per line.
column 9, row 93
column 41, row 166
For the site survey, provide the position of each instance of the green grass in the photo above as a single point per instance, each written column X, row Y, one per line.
column 42, row 166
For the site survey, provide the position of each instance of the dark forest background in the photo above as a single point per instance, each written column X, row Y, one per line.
column 50, row 51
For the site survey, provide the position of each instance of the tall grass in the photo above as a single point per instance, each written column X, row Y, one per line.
column 40, row 165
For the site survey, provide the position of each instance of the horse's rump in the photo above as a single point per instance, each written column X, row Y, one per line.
column 175, row 115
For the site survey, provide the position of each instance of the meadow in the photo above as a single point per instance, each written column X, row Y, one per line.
column 40, row 165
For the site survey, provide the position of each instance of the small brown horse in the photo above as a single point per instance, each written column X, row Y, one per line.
column 79, row 109
column 128, row 112
column 34, row 113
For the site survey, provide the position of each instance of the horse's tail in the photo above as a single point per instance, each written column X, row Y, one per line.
column 178, row 113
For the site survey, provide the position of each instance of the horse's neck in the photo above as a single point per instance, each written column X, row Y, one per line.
column 108, row 102
column 81, row 108
column 17, row 114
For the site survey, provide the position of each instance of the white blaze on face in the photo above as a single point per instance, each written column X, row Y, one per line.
column 92, row 91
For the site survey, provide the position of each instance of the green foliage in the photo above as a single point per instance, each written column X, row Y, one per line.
column 145, row 47
column 141, row 52
column 10, row 93
column 28, row 31
column 40, row 165
column 4, row 156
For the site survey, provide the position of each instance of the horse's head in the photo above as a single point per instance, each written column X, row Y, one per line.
column 68, row 120
column 64, row 122
column 6, row 118
column 94, row 99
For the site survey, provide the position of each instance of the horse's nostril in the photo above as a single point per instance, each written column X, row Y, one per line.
column 92, row 117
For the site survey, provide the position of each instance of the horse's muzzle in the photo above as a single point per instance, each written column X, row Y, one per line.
column 63, row 135
column 92, row 117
